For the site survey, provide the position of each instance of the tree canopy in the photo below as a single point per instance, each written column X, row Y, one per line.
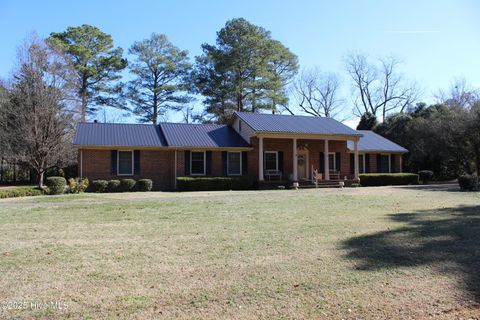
column 97, row 63
column 246, row 70
column 161, row 73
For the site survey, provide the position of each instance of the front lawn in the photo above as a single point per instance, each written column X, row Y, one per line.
column 360, row 253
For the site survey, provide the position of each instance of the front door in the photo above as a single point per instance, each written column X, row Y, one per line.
column 302, row 165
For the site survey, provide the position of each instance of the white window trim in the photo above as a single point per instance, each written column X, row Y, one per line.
column 228, row 163
column 204, row 163
column 389, row 161
column 265, row 159
column 118, row 163
column 334, row 162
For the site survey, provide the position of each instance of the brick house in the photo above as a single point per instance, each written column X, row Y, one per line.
column 262, row 146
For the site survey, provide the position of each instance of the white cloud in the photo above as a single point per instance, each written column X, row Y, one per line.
column 411, row 31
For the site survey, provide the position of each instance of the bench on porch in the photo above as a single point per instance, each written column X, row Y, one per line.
column 276, row 174
column 334, row 175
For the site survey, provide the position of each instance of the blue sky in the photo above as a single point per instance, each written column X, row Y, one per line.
column 436, row 40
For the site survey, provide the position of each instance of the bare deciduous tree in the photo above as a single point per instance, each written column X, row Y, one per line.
column 317, row 93
column 36, row 123
column 379, row 88
column 460, row 94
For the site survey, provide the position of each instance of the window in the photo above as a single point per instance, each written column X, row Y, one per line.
column 197, row 163
column 384, row 163
column 331, row 161
column 125, row 163
column 361, row 163
column 234, row 163
column 271, row 160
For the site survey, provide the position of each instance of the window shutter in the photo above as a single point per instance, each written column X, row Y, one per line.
column 392, row 163
column 367, row 163
column 322, row 163
column 352, row 163
column 136, row 162
column 224, row 163
column 280, row 161
column 113, row 158
column 379, row 163
column 244, row 162
column 208, row 164
column 338, row 162
column 187, row 163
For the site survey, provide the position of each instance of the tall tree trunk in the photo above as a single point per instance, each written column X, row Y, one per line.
column 83, row 94
column 83, row 115
column 40, row 178
column 155, row 109
column 1, row 170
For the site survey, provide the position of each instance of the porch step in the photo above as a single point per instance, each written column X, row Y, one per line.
column 322, row 184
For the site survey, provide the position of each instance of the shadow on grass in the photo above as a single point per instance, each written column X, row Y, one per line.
column 448, row 239
column 443, row 187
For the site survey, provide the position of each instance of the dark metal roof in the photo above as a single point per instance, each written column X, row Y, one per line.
column 261, row 122
column 119, row 135
column 202, row 135
column 375, row 142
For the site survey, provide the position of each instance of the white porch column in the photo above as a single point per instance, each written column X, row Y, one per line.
column 295, row 160
column 260, row 158
column 355, row 148
column 326, row 164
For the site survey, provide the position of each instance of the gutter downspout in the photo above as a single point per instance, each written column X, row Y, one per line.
column 81, row 163
column 175, row 181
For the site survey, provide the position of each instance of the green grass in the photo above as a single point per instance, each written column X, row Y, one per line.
column 389, row 252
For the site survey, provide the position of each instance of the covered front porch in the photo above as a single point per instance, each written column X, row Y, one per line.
column 303, row 158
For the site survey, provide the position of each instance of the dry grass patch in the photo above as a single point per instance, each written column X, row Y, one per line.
column 357, row 253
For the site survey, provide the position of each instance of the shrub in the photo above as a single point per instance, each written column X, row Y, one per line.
column 56, row 185
column 388, row 179
column 20, row 192
column 98, row 186
column 425, row 176
column 355, row 185
column 214, row 183
column 468, row 182
column 77, row 185
column 127, row 185
column 144, row 185
column 113, row 186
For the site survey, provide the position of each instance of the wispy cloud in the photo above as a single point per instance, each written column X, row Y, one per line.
column 411, row 31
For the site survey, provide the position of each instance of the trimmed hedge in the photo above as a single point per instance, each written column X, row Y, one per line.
column 127, row 185
column 144, row 185
column 98, row 186
column 388, row 179
column 214, row 183
column 468, row 182
column 425, row 176
column 56, row 185
column 113, row 186
column 20, row 192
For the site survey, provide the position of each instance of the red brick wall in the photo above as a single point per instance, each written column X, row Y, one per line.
column 373, row 162
column 157, row 165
